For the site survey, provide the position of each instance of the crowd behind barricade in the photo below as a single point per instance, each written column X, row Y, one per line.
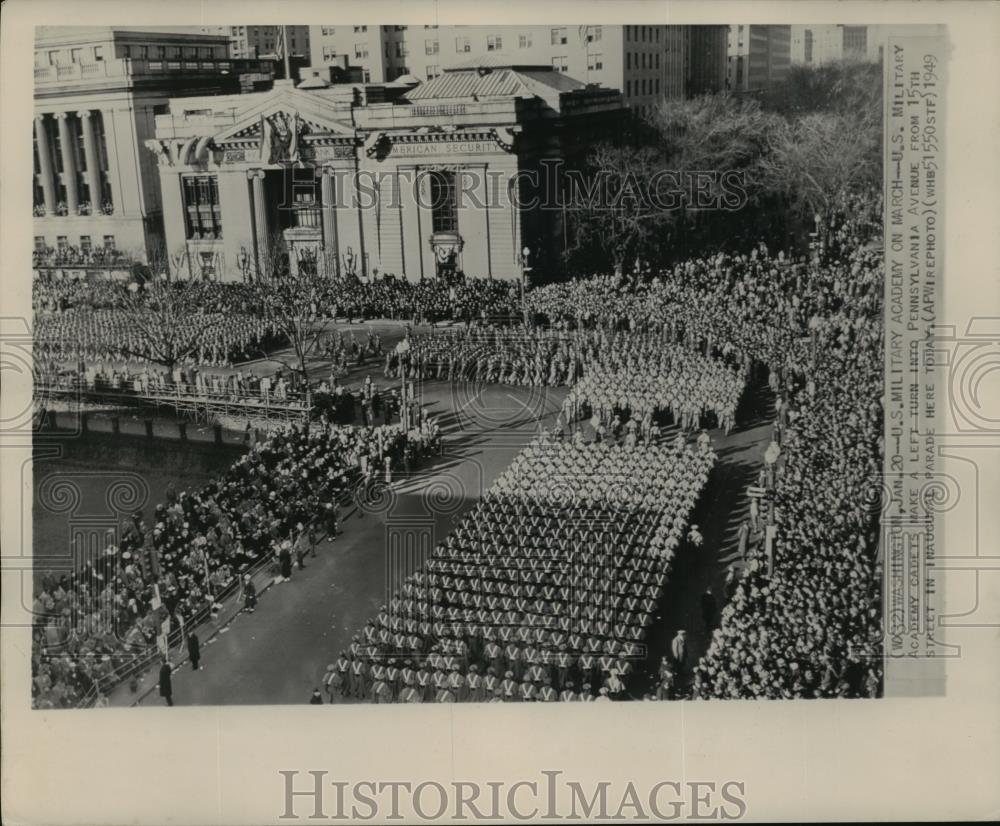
column 275, row 502
column 429, row 300
column 381, row 297
column 280, row 388
column 804, row 619
column 545, row 590
column 79, row 257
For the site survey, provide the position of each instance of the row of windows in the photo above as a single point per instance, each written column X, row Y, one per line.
column 174, row 52
column 463, row 45
column 642, row 34
column 62, row 57
column 642, row 87
column 494, row 43
column 642, row 60
column 96, row 54
column 431, row 47
column 203, row 218
column 595, row 63
column 62, row 243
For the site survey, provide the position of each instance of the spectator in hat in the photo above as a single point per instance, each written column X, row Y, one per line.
column 166, row 686
column 194, row 651
column 708, row 608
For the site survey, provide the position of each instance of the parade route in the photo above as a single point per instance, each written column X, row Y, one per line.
column 278, row 654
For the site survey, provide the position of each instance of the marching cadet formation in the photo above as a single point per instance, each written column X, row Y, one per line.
column 496, row 355
column 545, row 591
column 645, row 375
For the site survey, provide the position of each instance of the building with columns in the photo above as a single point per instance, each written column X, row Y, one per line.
column 413, row 179
column 97, row 92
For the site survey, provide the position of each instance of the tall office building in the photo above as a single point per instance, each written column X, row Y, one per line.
column 261, row 41
column 705, row 59
column 646, row 63
column 816, row 45
column 759, row 57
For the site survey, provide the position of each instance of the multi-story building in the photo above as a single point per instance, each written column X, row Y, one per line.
column 759, row 57
column 817, row 45
column 705, row 59
column 97, row 92
column 646, row 63
column 250, row 42
column 414, row 179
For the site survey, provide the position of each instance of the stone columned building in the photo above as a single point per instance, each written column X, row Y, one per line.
column 408, row 178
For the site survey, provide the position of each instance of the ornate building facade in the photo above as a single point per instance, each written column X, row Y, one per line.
column 97, row 92
column 404, row 178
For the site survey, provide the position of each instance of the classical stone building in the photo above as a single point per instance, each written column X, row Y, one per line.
column 408, row 178
column 97, row 91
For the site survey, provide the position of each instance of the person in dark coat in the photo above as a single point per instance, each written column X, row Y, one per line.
column 166, row 688
column 316, row 699
column 708, row 608
column 249, row 594
column 194, row 651
column 285, row 561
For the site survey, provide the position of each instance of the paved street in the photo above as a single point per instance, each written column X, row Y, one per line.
column 279, row 653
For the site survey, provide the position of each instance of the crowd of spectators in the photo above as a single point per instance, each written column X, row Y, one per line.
column 79, row 257
column 804, row 619
column 92, row 625
column 573, row 530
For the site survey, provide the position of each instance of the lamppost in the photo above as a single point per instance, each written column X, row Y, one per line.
column 525, row 269
column 404, row 412
column 244, row 264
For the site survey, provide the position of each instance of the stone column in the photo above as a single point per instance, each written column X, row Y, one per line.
column 47, row 173
column 69, row 162
column 117, row 196
column 93, row 160
column 327, row 209
column 260, row 222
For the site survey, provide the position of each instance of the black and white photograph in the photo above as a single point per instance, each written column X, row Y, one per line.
column 457, row 364
column 471, row 363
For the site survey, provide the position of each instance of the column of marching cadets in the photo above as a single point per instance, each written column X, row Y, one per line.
column 546, row 589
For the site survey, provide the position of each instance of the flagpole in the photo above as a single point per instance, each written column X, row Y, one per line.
column 284, row 45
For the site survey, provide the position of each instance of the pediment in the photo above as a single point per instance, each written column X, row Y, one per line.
column 289, row 110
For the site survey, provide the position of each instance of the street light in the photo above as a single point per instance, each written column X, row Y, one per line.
column 525, row 269
column 404, row 413
column 243, row 263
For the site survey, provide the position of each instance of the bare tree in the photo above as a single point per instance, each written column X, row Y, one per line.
column 617, row 218
column 290, row 302
column 817, row 156
column 170, row 322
